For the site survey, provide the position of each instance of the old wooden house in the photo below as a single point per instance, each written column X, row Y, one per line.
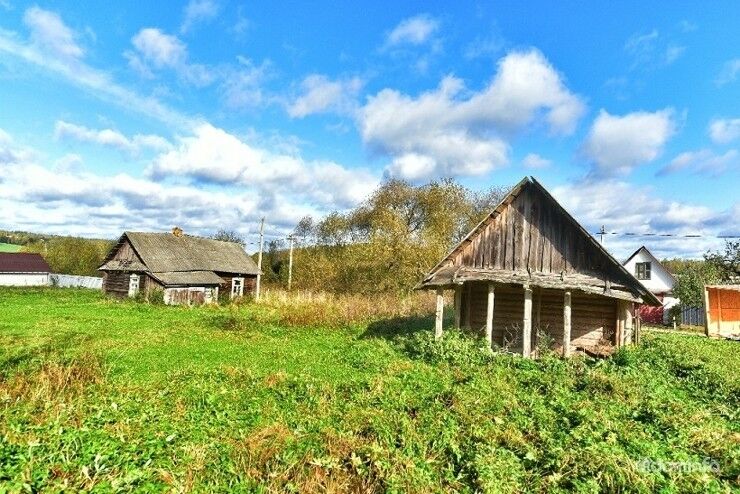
column 189, row 270
column 529, row 273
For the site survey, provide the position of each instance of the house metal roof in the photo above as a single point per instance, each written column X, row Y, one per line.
column 23, row 263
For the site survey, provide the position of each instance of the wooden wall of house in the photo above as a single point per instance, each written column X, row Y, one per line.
column 593, row 318
column 250, row 283
column 532, row 234
column 126, row 252
column 116, row 283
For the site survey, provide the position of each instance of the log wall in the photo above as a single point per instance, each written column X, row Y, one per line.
column 593, row 318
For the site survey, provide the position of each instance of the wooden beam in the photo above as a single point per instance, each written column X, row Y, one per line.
column 489, row 316
column 706, row 311
column 468, row 299
column 566, row 324
column 440, row 314
column 627, row 323
column 527, row 323
column 458, row 305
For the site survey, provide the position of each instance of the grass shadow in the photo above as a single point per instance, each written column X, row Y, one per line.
column 398, row 329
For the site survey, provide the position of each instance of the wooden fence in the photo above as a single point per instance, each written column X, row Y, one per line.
column 692, row 316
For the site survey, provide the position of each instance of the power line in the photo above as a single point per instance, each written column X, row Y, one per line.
column 655, row 234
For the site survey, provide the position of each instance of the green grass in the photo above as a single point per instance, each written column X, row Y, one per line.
column 118, row 396
column 10, row 247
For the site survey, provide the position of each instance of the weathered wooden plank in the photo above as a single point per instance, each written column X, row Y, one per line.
column 439, row 315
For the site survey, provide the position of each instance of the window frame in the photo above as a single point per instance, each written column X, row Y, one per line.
column 237, row 285
column 643, row 270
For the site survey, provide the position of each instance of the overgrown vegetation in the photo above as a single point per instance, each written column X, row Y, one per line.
column 386, row 243
column 113, row 395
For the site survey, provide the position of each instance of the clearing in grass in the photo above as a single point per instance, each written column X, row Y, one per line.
column 118, row 395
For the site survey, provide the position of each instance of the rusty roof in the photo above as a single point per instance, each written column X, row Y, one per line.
column 22, row 262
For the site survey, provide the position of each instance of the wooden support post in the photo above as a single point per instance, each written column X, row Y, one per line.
column 566, row 324
column 627, row 337
column 527, row 323
column 638, row 328
column 440, row 314
column 259, row 261
column 468, row 299
column 290, row 263
column 458, row 305
column 489, row 316
column 706, row 311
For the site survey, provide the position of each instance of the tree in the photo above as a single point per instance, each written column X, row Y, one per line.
column 229, row 236
column 690, row 281
column 727, row 263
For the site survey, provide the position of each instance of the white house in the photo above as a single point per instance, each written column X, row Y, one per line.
column 23, row 269
column 656, row 278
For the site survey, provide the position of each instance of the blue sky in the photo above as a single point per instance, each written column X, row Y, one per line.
column 210, row 114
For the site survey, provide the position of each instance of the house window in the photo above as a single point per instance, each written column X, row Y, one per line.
column 642, row 270
column 237, row 287
column 133, row 285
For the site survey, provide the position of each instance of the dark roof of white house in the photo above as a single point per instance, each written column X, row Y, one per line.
column 22, row 262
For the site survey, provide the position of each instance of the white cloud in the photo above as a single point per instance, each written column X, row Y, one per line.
column 242, row 87
column 703, row 161
column 65, row 198
column 652, row 50
column 160, row 49
column 616, row 144
column 197, row 11
column 213, row 155
column 49, row 33
column 592, row 203
column 724, row 130
column 97, row 82
column 535, row 161
column 729, row 72
column 463, row 132
column 111, row 138
column 415, row 30
column 320, row 94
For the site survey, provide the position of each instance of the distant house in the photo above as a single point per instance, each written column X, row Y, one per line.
column 23, row 269
column 655, row 277
column 190, row 270
column 530, row 274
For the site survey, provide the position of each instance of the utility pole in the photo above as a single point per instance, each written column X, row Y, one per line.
column 259, row 260
column 601, row 234
column 290, row 262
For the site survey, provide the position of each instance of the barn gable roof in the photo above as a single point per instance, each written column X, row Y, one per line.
column 529, row 238
column 168, row 253
column 22, row 262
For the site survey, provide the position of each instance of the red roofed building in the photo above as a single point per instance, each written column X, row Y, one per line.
column 23, row 269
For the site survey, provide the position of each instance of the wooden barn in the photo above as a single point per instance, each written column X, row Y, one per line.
column 23, row 269
column 529, row 273
column 722, row 306
column 190, row 270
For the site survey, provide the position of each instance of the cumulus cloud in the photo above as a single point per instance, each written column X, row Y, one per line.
column 724, row 130
column 452, row 131
column 197, row 11
column 320, row 94
column 111, row 138
column 415, row 30
column 212, row 155
column 535, row 162
column 69, row 199
column 48, row 32
column 704, row 161
column 243, row 87
column 729, row 72
column 617, row 144
column 592, row 204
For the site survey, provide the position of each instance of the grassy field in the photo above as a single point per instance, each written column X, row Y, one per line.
column 10, row 247
column 118, row 396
